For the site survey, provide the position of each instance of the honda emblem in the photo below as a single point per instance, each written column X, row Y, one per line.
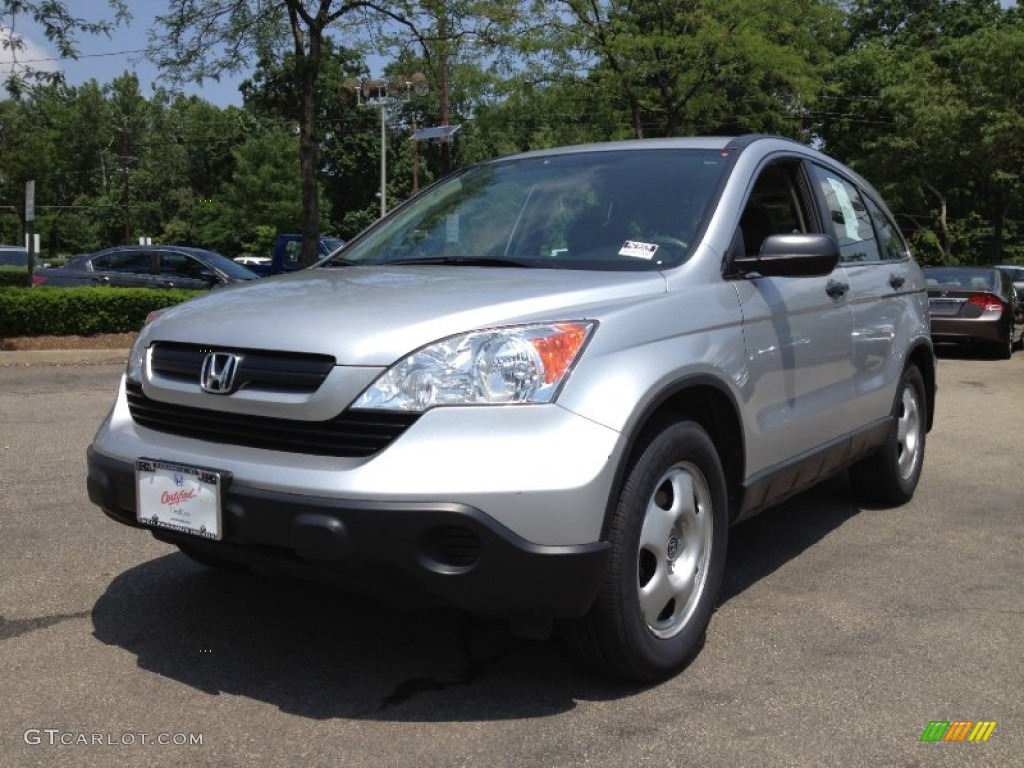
column 218, row 374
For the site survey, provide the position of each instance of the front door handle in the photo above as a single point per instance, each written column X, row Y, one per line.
column 836, row 288
column 897, row 281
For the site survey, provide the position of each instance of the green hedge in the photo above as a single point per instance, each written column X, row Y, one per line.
column 43, row 311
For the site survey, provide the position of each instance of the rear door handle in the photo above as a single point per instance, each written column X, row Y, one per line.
column 836, row 288
column 897, row 281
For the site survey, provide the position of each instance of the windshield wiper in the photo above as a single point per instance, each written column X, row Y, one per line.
column 340, row 262
column 464, row 261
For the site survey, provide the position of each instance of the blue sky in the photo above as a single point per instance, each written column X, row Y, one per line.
column 105, row 58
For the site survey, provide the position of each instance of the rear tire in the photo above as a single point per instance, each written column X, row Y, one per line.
column 1003, row 350
column 668, row 535
column 891, row 475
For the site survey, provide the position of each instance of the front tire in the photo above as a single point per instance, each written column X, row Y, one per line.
column 890, row 476
column 668, row 534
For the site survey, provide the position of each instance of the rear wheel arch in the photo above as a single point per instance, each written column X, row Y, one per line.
column 924, row 358
column 708, row 402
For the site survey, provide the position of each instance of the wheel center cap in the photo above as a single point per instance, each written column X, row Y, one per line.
column 673, row 547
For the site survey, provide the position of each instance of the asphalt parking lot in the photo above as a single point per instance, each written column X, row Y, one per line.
column 843, row 631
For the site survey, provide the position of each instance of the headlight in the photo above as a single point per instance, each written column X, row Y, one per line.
column 136, row 360
column 137, row 357
column 520, row 364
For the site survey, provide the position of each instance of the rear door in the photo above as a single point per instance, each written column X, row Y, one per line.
column 129, row 268
column 883, row 288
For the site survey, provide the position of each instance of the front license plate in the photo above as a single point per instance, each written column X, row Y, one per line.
column 179, row 498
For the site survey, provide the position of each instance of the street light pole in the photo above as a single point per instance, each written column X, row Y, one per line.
column 381, row 94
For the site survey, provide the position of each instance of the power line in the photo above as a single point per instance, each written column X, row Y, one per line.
column 82, row 56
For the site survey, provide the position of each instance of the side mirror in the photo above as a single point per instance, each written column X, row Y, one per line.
column 209, row 276
column 794, row 255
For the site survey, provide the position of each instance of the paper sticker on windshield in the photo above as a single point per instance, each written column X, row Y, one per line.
column 451, row 228
column 638, row 250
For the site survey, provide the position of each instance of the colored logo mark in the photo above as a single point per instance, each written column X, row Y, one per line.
column 958, row 730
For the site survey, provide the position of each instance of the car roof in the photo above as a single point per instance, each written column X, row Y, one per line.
column 961, row 267
column 730, row 143
column 157, row 248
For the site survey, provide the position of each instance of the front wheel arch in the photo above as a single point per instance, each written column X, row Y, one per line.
column 703, row 399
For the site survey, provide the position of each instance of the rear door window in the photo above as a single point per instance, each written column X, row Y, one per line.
column 124, row 262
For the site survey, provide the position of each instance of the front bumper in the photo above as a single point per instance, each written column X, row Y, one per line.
column 451, row 552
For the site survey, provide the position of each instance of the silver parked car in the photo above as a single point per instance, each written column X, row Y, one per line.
column 543, row 389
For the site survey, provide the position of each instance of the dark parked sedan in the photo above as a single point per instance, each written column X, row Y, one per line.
column 975, row 305
column 147, row 266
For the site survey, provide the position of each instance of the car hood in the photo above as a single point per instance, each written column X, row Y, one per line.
column 376, row 315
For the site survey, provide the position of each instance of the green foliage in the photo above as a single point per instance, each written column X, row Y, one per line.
column 923, row 98
column 44, row 311
column 349, row 156
column 263, row 194
column 927, row 104
column 677, row 67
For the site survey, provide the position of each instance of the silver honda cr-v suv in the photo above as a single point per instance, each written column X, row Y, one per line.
column 543, row 389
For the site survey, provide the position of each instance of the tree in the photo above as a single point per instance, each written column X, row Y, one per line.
column 698, row 66
column 110, row 164
column 61, row 28
column 259, row 201
column 927, row 105
column 348, row 148
column 449, row 40
column 198, row 39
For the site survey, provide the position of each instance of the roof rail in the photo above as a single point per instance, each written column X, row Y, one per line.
column 740, row 143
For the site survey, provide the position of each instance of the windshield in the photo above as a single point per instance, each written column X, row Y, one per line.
column 228, row 267
column 606, row 210
column 957, row 278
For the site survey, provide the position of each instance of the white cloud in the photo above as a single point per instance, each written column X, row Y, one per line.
column 28, row 54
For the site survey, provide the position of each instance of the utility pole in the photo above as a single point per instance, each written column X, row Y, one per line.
column 126, row 193
column 383, row 106
column 442, row 77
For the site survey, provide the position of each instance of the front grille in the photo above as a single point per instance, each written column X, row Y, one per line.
column 260, row 369
column 350, row 434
